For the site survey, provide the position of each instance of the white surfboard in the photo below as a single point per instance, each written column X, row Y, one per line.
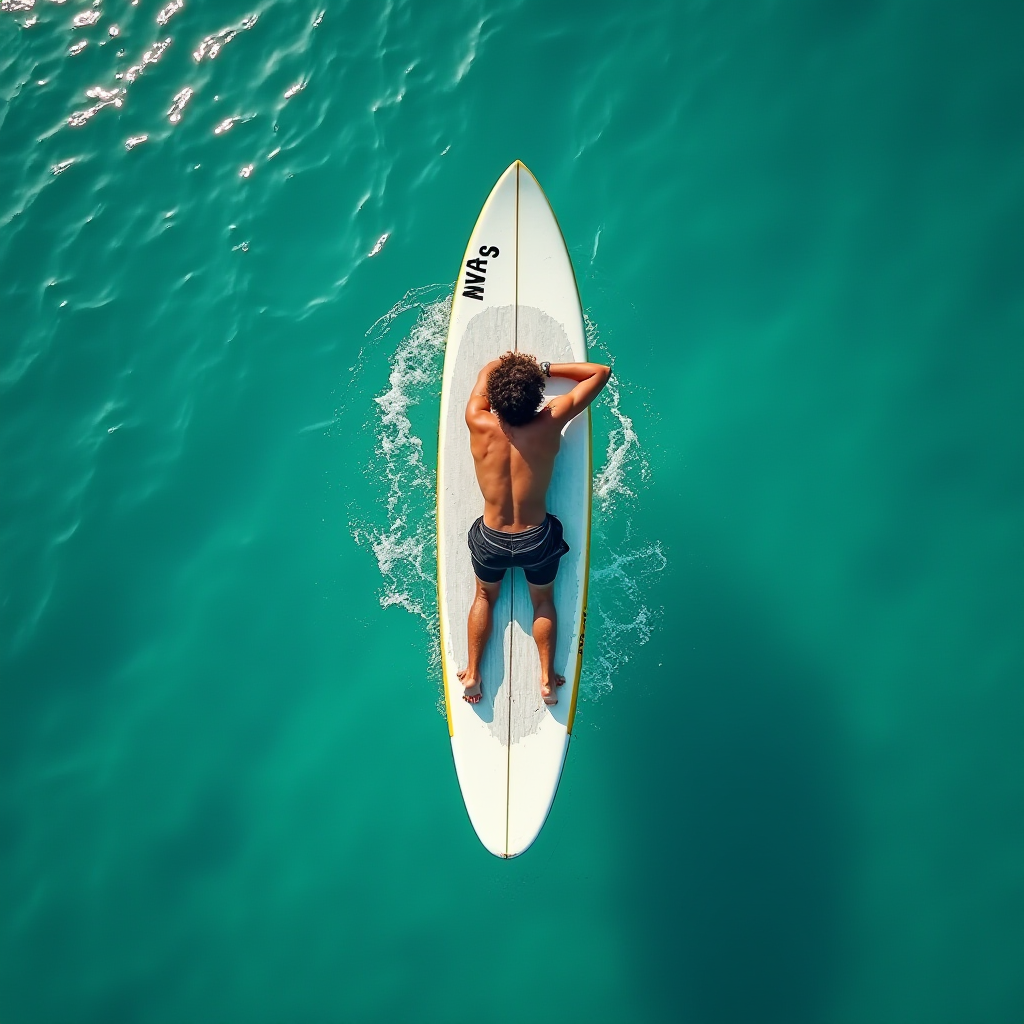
column 516, row 290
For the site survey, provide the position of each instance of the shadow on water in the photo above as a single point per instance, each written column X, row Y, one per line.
column 740, row 817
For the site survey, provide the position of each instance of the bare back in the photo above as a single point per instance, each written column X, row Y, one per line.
column 513, row 467
column 514, row 464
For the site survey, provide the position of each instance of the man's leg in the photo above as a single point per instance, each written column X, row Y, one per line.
column 481, row 614
column 545, row 628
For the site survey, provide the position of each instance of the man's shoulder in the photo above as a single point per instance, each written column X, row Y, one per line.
column 483, row 425
column 481, row 419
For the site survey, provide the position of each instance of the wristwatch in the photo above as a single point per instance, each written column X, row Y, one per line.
column 546, row 368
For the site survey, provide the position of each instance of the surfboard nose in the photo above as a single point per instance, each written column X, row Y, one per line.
column 510, row 174
column 517, row 165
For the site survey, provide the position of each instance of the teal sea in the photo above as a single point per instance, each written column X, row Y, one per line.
column 228, row 237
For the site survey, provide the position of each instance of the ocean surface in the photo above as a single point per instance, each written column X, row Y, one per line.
column 228, row 237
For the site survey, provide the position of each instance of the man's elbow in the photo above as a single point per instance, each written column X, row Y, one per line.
column 606, row 372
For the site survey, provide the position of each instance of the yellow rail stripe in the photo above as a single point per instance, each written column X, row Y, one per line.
column 586, row 575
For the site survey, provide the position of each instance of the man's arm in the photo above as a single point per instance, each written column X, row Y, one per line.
column 592, row 377
column 478, row 402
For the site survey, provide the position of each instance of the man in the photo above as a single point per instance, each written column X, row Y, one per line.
column 514, row 445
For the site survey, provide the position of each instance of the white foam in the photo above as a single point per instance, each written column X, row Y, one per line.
column 401, row 529
column 619, row 584
column 624, row 457
column 623, row 564
column 625, row 462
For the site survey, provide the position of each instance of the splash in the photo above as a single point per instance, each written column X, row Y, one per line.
column 404, row 543
column 624, row 564
column 619, row 584
column 415, row 365
column 400, row 529
column 625, row 460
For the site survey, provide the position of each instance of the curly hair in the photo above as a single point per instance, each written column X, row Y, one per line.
column 515, row 387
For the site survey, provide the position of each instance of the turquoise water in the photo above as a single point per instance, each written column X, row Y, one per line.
column 795, row 791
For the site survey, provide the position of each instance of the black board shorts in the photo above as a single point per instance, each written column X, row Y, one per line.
column 536, row 551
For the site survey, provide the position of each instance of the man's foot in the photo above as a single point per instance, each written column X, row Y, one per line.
column 471, row 685
column 547, row 691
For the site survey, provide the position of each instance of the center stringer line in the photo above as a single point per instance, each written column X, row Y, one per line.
column 512, row 577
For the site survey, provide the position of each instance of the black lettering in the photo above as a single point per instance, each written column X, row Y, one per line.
column 489, row 250
column 474, row 279
column 480, row 266
column 474, row 291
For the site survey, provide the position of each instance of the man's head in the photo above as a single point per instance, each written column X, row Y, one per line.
column 515, row 387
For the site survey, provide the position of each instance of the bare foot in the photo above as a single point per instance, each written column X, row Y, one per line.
column 472, row 687
column 547, row 691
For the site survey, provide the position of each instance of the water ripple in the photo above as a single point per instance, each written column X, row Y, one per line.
column 106, row 98
column 85, row 19
column 151, row 56
column 213, row 44
column 167, row 12
column 181, row 99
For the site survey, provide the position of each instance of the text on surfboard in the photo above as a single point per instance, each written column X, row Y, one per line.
column 476, row 272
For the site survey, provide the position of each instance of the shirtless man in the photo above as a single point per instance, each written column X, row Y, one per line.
column 514, row 445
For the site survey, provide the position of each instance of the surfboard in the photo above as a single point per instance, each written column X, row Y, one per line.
column 516, row 291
